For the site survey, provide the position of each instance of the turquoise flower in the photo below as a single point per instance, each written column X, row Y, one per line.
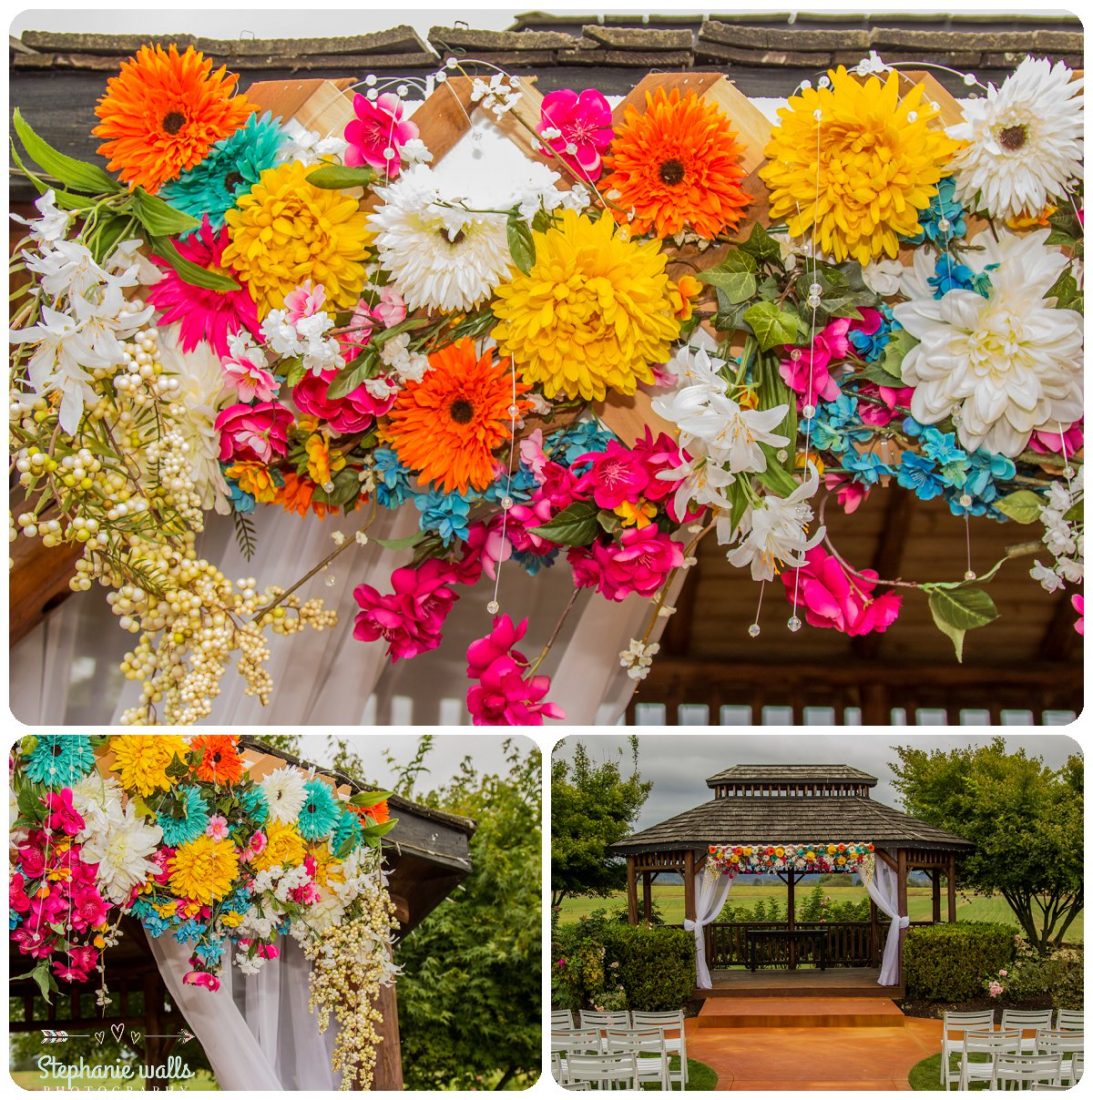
column 320, row 812
column 191, row 824
column 347, row 834
column 231, row 169
column 254, row 802
column 392, row 478
column 448, row 514
column 60, row 759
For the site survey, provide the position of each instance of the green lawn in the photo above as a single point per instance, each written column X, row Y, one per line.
column 669, row 900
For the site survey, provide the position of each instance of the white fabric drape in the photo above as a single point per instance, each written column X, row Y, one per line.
column 711, row 892
column 883, row 887
column 256, row 1029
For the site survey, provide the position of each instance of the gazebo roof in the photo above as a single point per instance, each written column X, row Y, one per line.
column 792, row 773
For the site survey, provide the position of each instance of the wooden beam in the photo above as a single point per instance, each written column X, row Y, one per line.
column 388, row 1072
column 898, row 515
column 647, row 897
column 631, row 890
column 676, row 640
column 1059, row 636
column 689, row 885
column 935, row 892
column 950, row 879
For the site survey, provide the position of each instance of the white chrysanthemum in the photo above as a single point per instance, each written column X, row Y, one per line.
column 200, row 395
column 1005, row 365
column 285, row 793
column 120, row 842
column 96, row 792
column 439, row 257
column 1024, row 141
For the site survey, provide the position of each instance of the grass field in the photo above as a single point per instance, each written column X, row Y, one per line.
column 669, row 900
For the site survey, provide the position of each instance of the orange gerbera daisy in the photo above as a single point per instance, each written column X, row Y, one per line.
column 220, row 760
column 447, row 426
column 163, row 112
column 379, row 814
column 677, row 164
column 296, row 496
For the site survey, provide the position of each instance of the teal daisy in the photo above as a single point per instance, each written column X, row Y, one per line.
column 255, row 805
column 187, row 821
column 231, row 169
column 347, row 834
column 60, row 759
column 320, row 812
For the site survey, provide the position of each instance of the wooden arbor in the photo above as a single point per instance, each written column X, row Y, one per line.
column 426, row 856
column 769, row 804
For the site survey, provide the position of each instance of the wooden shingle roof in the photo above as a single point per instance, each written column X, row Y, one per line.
column 792, row 773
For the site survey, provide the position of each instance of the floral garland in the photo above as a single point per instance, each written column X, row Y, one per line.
column 224, row 324
column 173, row 832
column 765, row 859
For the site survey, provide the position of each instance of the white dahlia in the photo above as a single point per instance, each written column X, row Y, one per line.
column 285, row 793
column 1002, row 366
column 439, row 255
column 120, row 842
column 1024, row 141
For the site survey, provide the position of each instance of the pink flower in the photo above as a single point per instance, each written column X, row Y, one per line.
column 877, row 416
column 35, row 940
column 257, row 843
column 613, row 476
column 532, row 454
column 62, row 815
column 305, row 301
column 203, row 314
column 584, row 122
column 88, row 909
column 504, row 695
column 848, row 493
column 1078, row 603
column 255, row 432
column 83, row 958
column 995, row 989
column 203, row 979
column 69, row 973
column 358, row 332
column 217, row 827
column 390, row 310
column 17, row 895
column 162, row 859
column 268, row 951
column 1071, row 440
column 379, row 126
column 250, row 381
column 639, row 561
column 32, row 860
column 560, row 486
column 1003, row 973
column 410, row 618
column 808, row 373
column 838, row 600
column 347, row 415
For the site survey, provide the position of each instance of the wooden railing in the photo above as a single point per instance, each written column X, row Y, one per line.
column 849, row 943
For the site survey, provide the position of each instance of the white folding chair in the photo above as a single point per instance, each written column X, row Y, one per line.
column 1027, row 1021
column 1023, row 1071
column 1067, row 1044
column 1067, row 1019
column 1077, row 1065
column 674, row 1044
column 953, row 1028
column 647, row 1044
column 561, row 1017
column 603, row 1071
column 596, row 1018
column 979, row 1052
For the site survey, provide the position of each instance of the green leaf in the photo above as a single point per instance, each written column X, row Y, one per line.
column 1023, row 506
column 573, row 526
column 109, row 231
column 1067, row 293
column 738, row 500
column 334, row 177
column 761, row 245
column 956, row 611
column 363, row 800
column 542, row 221
column 73, row 173
column 772, row 326
column 521, row 242
column 192, row 273
column 737, row 286
column 245, row 536
column 896, row 349
column 874, row 372
column 159, row 218
column 41, row 975
column 399, row 544
column 372, row 833
column 776, row 478
column 610, row 522
column 348, row 380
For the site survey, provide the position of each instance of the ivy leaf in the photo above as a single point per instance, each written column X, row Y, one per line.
column 521, row 242
column 398, row 544
column 761, row 245
column 894, row 353
column 772, row 325
column 956, row 611
column 576, row 525
column 335, row 177
column 159, row 218
column 73, row 173
column 1023, row 506
column 1067, row 293
column 737, row 283
column 179, row 769
column 191, row 273
column 610, row 522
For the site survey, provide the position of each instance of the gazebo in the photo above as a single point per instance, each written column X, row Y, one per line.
column 784, row 817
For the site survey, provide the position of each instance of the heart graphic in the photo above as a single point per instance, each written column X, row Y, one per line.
column 117, row 1030
column 99, row 1036
column 134, row 1036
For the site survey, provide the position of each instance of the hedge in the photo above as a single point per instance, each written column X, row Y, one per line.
column 948, row 962
column 601, row 962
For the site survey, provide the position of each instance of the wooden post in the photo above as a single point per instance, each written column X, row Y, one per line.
column 388, row 1073
column 689, row 885
column 951, row 883
column 901, row 884
column 874, row 935
column 631, row 890
column 647, row 896
column 935, row 890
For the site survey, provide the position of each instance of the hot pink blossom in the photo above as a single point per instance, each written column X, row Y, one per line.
column 62, row 814
column 68, row 973
column 614, row 475
column 504, row 694
column 847, row 492
column 253, row 431
column 17, row 895
column 32, row 858
column 560, row 486
column 807, row 373
column 877, row 416
column 257, row 843
column 834, row 598
column 639, row 561
column 1078, row 603
column 268, row 951
column 347, row 415
column 1071, row 440
column 584, row 122
column 88, row 908
column 390, row 310
column 378, row 127
column 36, row 941
column 203, row 979
column 217, row 827
column 305, row 301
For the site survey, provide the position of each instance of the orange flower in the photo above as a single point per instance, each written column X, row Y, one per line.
column 296, row 496
column 379, row 813
column 220, row 760
column 255, row 478
column 447, row 426
column 677, row 164
column 163, row 112
column 683, row 294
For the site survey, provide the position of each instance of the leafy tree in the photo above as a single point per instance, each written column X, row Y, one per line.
column 592, row 806
column 1024, row 818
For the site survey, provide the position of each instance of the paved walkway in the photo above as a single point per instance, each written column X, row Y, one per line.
column 801, row 1058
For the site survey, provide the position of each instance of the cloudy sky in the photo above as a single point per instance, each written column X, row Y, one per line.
column 678, row 764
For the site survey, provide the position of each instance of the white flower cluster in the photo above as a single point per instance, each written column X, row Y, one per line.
column 305, row 337
column 637, row 658
column 498, row 96
column 307, row 146
column 410, row 366
column 1064, row 538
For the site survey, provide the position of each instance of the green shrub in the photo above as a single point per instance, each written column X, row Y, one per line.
column 1067, row 972
column 946, row 962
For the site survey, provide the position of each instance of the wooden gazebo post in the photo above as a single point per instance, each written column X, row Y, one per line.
column 689, row 885
column 950, row 882
column 631, row 890
column 901, row 904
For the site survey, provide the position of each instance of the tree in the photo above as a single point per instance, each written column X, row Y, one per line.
column 1024, row 818
column 592, row 806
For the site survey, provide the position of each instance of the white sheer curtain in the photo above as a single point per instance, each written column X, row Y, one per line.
column 256, row 1029
column 711, row 891
column 883, row 887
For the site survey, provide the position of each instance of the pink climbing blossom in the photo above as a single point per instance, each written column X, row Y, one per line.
column 835, row 599
column 505, row 694
column 578, row 128
column 807, row 373
column 639, row 561
column 379, row 126
column 1078, row 603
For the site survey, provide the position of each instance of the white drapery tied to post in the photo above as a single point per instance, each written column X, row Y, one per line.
column 711, row 892
column 882, row 885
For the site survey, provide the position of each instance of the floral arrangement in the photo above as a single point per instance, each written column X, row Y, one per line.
column 239, row 312
column 173, row 832
column 766, row 859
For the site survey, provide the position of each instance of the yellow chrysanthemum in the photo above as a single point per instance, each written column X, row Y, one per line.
column 593, row 314
column 857, row 173
column 327, row 867
column 141, row 760
column 284, row 848
column 285, row 230
column 204, row 870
